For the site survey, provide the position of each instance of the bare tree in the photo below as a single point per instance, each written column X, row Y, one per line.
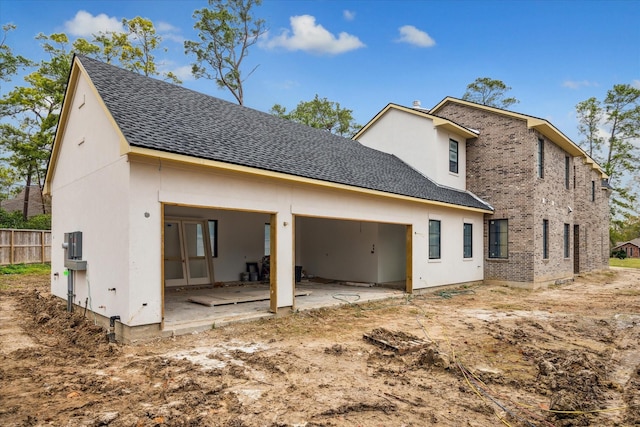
column 227, row 29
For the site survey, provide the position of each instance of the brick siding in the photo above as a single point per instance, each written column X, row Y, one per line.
column 632, row 250
column 502, row 169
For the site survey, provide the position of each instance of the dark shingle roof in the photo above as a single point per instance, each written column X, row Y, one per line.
column 166, row 117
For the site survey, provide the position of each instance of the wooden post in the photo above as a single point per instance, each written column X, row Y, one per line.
column 42, row 251
column 11, row 247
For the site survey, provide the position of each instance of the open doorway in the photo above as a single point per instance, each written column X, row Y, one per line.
column 213, row 264
column 363, row 259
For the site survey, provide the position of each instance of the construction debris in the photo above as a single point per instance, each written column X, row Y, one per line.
column 398, row 342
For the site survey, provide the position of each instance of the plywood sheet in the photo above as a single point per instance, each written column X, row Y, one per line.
column 235, row 296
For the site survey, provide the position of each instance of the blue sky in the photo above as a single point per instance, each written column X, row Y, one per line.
column 365, row 54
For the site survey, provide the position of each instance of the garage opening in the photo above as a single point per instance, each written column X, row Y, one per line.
column 215, row 266
column 340, row 261
column 218, row 265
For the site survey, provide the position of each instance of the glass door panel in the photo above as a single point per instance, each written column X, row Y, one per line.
column 174, row 271
column 196, row 253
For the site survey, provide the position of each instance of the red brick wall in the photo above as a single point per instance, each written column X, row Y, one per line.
column 632, row 250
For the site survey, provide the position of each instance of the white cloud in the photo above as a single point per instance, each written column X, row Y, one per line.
column 183, row 73
column 165, row 27
column 574, row 84
column 349, row 15
column 287, row 84
column 308, row 36
column 85, row 24
column 412, row 35
column 169, row 32
column 636, row 84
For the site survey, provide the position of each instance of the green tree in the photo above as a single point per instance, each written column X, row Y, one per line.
column 137, row 48
column 34, row 109
column 589, row 114
column 226, row 31
column 8, row 181
column 618, row 117
column 487, row 91
column 9, row 62
column 320, row 113
column 623, row 231
column 134, row 49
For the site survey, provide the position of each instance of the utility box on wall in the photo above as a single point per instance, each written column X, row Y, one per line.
column 73, row 251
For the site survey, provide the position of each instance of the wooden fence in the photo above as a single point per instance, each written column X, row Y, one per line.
column 25, row 246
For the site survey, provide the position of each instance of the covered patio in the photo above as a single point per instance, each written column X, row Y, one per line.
column 245, row 301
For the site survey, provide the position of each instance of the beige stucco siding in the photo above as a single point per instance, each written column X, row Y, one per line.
column 207, row 188
column 90, row 194
column 416, row 141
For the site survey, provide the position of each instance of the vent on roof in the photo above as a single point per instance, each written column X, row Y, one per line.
column 417, row 106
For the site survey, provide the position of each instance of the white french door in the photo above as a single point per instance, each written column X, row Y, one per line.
column 186, row 253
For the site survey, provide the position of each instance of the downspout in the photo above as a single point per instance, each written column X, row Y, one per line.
column 112, row 328
column 70, row 274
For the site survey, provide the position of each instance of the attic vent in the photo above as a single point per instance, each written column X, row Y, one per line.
column 418, row 106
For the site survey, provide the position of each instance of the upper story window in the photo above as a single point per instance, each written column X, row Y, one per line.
column 540, row 158
column 498, row 238
column 434, row 239
column 567, row 177
column 453, row 156
column 593, row 191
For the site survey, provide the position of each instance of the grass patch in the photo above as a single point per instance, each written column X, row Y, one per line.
column 627, row 262
column 26, row 269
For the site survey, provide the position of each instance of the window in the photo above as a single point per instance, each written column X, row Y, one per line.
column 540, row 158
column 213, row 236
column 566, row 172
column 468, row 240
column 453, row 156
column 498, row 238
column 574, row 177
column 545, row 239
column 566, row 240
column 434, row 239
column 593, row 191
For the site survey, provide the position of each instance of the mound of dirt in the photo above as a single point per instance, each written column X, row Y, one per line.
column 52, row 322
column 577, row 382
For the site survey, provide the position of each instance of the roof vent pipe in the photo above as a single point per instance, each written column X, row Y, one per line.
column 418, row 106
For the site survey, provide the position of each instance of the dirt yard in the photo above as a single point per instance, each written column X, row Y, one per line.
column 568, row 355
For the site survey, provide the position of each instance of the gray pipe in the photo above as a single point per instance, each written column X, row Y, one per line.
column 70, row 290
